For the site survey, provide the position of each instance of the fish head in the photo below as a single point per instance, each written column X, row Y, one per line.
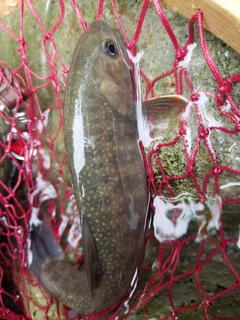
column 107, row 67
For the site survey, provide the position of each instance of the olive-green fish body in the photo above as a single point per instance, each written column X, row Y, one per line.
column 107, row 174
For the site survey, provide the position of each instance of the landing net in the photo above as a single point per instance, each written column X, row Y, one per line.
column 192, row 268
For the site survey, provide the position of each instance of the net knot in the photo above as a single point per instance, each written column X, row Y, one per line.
column 217, row 170
column 220, row 101
column 174, row 314
column 198, row 268
column 207, row 303
column 23, row 44
column 46, row 36
column 238, row 281
column 225, row 87
column 131, row 47
column 224, row 245
column 165, row 181
column 181, row 54
column 202, row 131
column 195, row 96
column 151, row 178
column 182, row 131
column 238, row 126
column 190, row 167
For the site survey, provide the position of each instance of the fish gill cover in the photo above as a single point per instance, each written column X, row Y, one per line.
column 191, row 155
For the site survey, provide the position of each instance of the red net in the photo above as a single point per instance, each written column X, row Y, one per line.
column 192, row 166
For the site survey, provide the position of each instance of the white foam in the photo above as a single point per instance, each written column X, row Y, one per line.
column 75, row 233
column 40, row 126
column 44, row 188
column 208, row 120
column 230, row 184
column 188, row 135
column 3, row 218
column 29, row 252
column 142, row 123
column 45, row 157
column 70, row 206
column 238, row 242
column 134, row 284
column 34, row 221
column 155, row 265
column 215, row 208
column 167, row 228
column 63, row 225
column 226, row 53
column 227, row 107
column 46, row 115
column 44, row 122
column 232, row 146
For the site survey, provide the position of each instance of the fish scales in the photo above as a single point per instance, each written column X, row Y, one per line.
column 107, row 174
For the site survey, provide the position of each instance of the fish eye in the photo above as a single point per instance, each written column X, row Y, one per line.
column 110, row 47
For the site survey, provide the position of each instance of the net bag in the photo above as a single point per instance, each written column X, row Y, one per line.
column 191, row 154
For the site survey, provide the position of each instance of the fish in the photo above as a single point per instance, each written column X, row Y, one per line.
column 108, row 179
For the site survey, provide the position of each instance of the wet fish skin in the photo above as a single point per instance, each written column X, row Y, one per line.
column 107, row 174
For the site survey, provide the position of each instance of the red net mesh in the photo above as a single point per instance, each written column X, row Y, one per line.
column 187, row 275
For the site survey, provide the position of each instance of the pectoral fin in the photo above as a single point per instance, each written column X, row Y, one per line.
column 91, row 259
column 166, row 106
column 162, row 114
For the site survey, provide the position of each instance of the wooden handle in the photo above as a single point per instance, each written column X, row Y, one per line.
column 221, row 17
column 8, row 6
